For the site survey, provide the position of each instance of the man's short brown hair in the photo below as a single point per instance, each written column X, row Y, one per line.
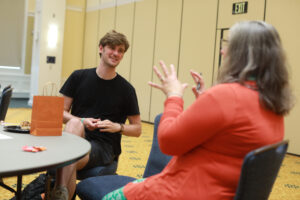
column 113, row 38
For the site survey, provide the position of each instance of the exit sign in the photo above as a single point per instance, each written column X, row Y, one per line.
column 240, row 8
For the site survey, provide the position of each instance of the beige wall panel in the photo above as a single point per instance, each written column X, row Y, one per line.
column 108, row 2
column 92, row 3
column 76, row 3
column 226, row 19
column 142, row 53
column 197, row 43
column 49, row 72
column 216, row 57
column 29, row 40
column 90, row 48
column 106, row 23
column 73, row 42
column 31, row 6
column 124, row 24
column 285, row 16
column 167, row 38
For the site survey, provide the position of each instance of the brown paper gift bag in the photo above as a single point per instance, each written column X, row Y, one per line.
column 47, row 114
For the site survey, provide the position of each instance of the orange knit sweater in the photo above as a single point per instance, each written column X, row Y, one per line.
column 208, row 141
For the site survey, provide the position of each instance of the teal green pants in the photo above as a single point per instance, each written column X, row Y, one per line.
column 118, row 194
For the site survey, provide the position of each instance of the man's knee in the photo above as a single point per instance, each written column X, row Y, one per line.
column 75, row 126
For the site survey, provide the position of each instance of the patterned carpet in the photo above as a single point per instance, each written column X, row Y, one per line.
column 136, row 151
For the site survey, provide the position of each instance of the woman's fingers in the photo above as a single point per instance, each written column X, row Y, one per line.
column 159, row 75
column 200, row 85
column 184, row 86
column 195, row 91
column 169, row 82
column 195, row 76
column 173, row 71
column 164, row 68
column 166, row 74
column 155, row 85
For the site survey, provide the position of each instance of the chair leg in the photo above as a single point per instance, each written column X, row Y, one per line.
column 48, row 186
column 2, row 184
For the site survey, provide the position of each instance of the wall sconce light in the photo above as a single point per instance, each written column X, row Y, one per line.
column 52, row 35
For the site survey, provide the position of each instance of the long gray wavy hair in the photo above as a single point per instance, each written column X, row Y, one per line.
column 255, row 52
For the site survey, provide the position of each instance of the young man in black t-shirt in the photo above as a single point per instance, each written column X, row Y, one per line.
column 100, row 101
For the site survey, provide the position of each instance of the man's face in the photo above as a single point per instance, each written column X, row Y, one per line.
column 112, row 56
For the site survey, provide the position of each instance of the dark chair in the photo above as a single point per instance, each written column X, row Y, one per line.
column 258, row 174
column 96, row 187
column 4, row 103
column 110, row 169
column 259, row 171
column 6, row 88
column 98, row 171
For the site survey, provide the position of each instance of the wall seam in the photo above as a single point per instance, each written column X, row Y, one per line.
column 180, row 35
column 216, row 33
column 98, row 30
column 150, row 102
column 265, row 10
column 132, row 41
column 83, row 35
column 115, row 20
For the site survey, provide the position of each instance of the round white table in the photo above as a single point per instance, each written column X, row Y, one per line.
column 61, row 151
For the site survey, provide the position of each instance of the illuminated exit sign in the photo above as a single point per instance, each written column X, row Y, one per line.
column 240, row 8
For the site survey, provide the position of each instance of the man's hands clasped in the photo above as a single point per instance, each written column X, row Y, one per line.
column 103, row 126
column 90, row 123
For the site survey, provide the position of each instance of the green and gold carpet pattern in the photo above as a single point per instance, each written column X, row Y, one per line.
column 135, row 152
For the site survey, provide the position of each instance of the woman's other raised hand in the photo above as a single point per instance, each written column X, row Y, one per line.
column 199, row 88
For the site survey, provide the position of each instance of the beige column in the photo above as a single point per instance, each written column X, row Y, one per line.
column 48, row 41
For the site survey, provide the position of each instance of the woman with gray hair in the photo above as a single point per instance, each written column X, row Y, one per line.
column 208, row 140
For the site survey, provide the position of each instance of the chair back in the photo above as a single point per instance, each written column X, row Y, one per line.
column 110, row 169
column 157, row 160
column 6, row 88
column 4, row 103
column 259, row 171
column 95, row 188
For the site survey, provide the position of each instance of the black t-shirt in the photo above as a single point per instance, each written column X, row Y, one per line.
column 94, row 97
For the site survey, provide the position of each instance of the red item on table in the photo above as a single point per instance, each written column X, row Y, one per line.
column 33, row 148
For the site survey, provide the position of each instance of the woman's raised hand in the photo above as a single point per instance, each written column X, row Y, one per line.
column 170, row 85
column 200, row 85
